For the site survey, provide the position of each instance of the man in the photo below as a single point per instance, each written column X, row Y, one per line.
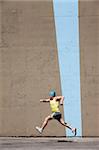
column 56, row 114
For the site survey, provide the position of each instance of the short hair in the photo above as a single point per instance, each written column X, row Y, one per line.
column 52, row 93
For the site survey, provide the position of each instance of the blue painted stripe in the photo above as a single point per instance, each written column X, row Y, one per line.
column 67, row 34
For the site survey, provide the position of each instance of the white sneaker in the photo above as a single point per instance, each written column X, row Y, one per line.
column 39, row 130
column 74, row 130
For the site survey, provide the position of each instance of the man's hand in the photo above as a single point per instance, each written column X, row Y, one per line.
column 62, row 100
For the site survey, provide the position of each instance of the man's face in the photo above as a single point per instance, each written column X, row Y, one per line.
column 51, row 97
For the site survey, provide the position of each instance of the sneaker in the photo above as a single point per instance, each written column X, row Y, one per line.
column 74, row 130
column 39, row 130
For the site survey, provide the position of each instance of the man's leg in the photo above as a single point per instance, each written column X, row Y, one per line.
column 47, row 119
column 74, row 130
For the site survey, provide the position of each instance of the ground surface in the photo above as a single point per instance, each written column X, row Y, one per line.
column 10, row 143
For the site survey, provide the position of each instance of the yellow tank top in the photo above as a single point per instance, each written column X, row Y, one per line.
column 54, row 106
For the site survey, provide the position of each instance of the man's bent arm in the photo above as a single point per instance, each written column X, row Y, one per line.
column 60, row 98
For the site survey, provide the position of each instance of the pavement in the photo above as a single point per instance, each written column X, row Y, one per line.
column 41, row 143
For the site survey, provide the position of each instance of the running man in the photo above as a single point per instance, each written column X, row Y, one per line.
column 56, row 114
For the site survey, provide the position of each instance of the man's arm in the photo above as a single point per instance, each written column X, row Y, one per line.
column 44, row 100
column 60, row 98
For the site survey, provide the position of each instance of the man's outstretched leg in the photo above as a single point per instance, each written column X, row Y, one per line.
column 40, row 129
column 74, row 130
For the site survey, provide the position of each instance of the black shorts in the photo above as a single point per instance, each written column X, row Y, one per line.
column 56, row 115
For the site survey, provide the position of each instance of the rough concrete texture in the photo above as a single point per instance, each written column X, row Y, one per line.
column 89, row 48
column 28, row 67
column 49, row 143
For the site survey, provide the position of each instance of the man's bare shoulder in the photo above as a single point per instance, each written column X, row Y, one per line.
column 58, row 97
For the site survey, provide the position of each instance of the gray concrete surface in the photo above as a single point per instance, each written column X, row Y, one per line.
column 89, row 65
column 73, row 143
column 28, row 67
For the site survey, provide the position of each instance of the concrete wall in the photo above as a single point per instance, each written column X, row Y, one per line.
column 89, row 48
column 28, row 67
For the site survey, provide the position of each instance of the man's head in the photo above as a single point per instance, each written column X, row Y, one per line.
column 52, row 93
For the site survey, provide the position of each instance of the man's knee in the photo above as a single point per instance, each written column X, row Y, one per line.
column 47, row 118
column 62, row 121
